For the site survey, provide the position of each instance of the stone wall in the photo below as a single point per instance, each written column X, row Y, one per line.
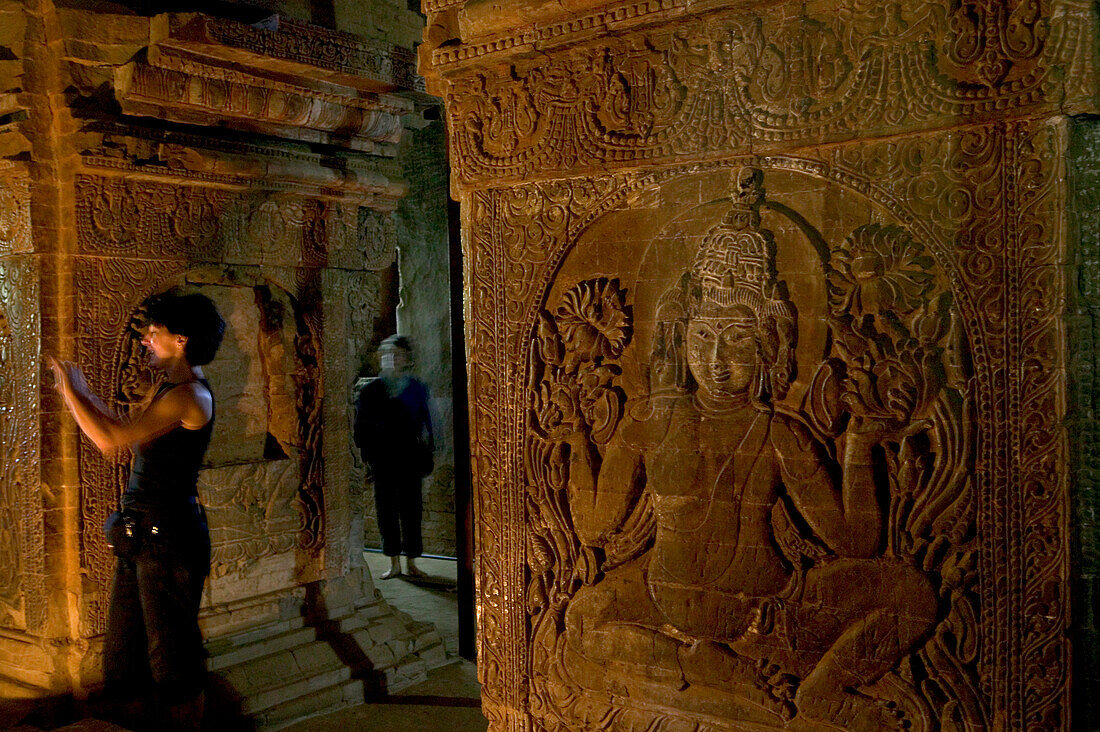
column 255, row 164
column 766, row 308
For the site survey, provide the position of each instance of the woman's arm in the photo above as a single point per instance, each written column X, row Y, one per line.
column 191, row 406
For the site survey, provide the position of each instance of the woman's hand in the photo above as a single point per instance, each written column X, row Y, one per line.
column 68, row 377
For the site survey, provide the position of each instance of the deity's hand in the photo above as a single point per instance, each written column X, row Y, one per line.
column 871, row 431
column 561, row 423
column 587, row 567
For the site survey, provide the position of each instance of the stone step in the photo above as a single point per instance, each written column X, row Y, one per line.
column 253, row 635
column 237, row 653
column 286, row 675
column 349, row 693
column 310, row 686
column 291, row 672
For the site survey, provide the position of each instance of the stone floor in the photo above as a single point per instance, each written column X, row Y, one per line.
column 441, row 704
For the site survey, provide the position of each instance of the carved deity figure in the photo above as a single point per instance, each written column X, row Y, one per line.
column 763, row 591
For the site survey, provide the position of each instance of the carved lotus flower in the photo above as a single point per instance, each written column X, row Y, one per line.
column 593, row 321
column 879, row 269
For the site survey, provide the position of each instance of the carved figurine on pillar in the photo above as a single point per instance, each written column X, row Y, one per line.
column 739, row 557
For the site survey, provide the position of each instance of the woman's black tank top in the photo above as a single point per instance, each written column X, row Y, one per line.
column 165, row 471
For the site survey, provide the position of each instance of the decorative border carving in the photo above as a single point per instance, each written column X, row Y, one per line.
column 987, row 201
column 207, row 224
column 23, row 594
column 176, row 87
column 725, row 83
column 542, row 35
column 355, row 61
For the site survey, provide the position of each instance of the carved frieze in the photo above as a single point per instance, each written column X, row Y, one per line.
column 211, row 224
column 293, row 46
column 914, row 320
column 566, row 96
column 182, row 88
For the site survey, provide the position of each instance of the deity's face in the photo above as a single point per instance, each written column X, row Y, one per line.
column 722, row 352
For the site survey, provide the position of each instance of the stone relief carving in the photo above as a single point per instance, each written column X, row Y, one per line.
column 629, row 95
column 736, row 555
column 22, row 556
column 376, row 240
column 114, row 214
column 11, row 569
column 209, row 224
column 266, row 500
column 184, row 89
column 361, row 62
column 948, row 193
column 706, row 85
column 15, row 213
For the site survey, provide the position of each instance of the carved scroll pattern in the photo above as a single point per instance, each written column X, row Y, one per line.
column 498, row 531
column 205, row 224
column 375, row 239
column 711, row 87
column 15, row 213
column 309, row 318
column 1039, row 440
column 947, row 192
column 23, row 573
column 1005, row 272
column 115, row 215
column 103, row 334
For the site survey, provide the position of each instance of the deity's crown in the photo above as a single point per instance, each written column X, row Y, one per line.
column 736, row 263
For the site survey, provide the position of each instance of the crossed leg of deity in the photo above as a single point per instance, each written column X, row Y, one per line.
column 849, row 623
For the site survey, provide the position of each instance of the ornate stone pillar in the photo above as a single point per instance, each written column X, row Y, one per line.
column 768, row 358
column 253, row 164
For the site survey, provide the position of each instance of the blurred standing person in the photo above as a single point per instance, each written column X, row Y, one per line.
column 393, row 430
column 153, row 650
